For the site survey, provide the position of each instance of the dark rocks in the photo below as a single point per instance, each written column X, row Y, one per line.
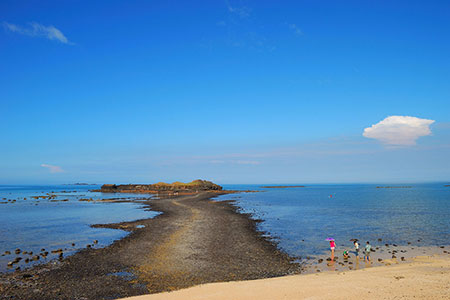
column 320, row 260
column 57, row 251
column 36, row 257
column 7, row 252
column 379, row 240
column 17, row 251
column 402, row 258
column 95, row 242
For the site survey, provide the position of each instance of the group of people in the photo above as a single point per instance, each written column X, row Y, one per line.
column 367, row 250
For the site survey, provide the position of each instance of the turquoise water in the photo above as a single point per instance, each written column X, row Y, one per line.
column 32, row 224
column 300, row 219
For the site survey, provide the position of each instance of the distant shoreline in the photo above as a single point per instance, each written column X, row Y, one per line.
column 282, row 186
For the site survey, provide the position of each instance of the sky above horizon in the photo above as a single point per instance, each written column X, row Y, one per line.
column 228, row 91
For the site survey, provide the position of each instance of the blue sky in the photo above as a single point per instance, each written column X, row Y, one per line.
column 231, row 91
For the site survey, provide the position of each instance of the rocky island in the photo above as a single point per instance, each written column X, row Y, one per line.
column 162, row 187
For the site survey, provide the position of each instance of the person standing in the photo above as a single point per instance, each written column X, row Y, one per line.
column 332, row 247
column 356, row 248
column 367, row 251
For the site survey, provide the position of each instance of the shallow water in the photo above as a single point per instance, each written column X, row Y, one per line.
column 300, row 219
column 33, row 224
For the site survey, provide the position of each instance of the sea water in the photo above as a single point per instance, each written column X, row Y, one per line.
column 31, row 224
column 300, row 219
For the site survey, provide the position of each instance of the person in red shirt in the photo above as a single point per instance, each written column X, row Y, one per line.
column 332, row 246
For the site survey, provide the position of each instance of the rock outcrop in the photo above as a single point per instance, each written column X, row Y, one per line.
column 176, row 187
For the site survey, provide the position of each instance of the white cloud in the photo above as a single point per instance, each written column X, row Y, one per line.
column 53, row 169
column 399, row 130
column 296, row 30
column 38, row 30
column 242, row 12
column 247, row 162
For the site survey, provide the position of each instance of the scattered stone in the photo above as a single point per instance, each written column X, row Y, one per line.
column 380, row 260
column 17, row 251
column 402, row 258
column 73, row 244
column 7, row 252
column 36, row 257
column 95, row 242
column 57, row 251
column 393, row 256
column 320, row 260
column 379, row 240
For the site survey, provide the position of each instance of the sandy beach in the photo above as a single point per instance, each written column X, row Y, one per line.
column 425, row 277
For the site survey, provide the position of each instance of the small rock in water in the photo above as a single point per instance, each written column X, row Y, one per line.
column 320, row 260
column 95, row 242
column 88, row 246
column 42, row 249
column 7, row 252
column 387, row 245
column 73, row 244
column 379, row 240
column 17, row 251
column 380, row 259
column 36, row 257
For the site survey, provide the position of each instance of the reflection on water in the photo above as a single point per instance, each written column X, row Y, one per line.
column 300, row 219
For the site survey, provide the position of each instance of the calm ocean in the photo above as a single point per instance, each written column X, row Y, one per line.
column 298, row 219
column 32, row 224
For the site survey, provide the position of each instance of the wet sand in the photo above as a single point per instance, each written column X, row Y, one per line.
column 426, row 277
column 194, row 241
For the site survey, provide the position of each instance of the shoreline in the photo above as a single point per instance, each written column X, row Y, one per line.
column 192, row 242
column 195, row 240
column 425, row 277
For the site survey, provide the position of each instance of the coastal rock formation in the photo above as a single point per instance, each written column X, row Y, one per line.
column 191, row 187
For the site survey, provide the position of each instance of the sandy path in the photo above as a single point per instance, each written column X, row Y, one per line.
column 427, row 277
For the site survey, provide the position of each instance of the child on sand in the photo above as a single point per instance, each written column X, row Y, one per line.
column 367, row 252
